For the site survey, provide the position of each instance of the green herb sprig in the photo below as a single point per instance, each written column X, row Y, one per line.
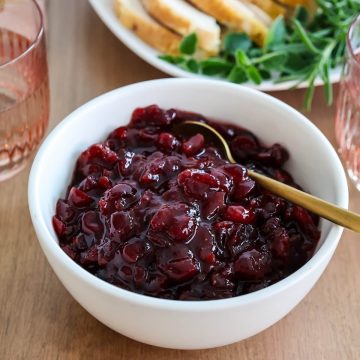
column 297, row 50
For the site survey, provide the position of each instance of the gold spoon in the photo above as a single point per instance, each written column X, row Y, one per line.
column 331, row 212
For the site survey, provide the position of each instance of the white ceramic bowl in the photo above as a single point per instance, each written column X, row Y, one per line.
column 186, row 324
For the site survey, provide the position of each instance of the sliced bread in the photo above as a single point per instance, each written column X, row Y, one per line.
column 270, row 7
column 310, row 5
column 133, row 15
column 181, row 17
column 236, row 15
column 259, row 13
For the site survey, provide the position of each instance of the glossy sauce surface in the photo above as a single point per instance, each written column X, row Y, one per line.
column 168, row 216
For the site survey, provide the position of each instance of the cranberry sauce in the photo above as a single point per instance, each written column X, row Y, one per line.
column 168, row 216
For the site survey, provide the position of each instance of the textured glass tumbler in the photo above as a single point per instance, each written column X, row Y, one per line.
column 347, row 121
column 24, row 88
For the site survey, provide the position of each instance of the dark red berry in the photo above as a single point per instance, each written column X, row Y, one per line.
column 133, row 251
column 280, row 244
column 79, row 198
column 177, row 220
column 89, row 257
column 91, row 223
column 252, row 264
column 150, row 116
column 95, row 158
column 283, row 176
column 59, row 226
column 107, row 252
column 243, row 185
column 117, row 198
column 121, row 226
column 194, row 145
column 140, row 275
column 178, row 264
column 69, row 251
column 244, row 145
column 168, row 141
column 239, row 214
column 242, row 239
column 64, row 211
column 275, row 156
column 213, row 203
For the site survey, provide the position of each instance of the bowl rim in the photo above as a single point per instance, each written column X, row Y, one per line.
column 48, row 244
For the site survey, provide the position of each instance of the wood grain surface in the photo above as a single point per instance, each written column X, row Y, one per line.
column 40, row 320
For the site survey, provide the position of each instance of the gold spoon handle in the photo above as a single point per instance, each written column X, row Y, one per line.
column 335, row 214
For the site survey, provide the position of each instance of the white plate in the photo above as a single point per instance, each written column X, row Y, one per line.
column 104, row 9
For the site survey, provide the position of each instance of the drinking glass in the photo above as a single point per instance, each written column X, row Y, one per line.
column 347, row 121
column 24, row 89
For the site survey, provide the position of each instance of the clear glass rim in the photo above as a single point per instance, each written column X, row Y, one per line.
column 34, row 43
column 356, row 22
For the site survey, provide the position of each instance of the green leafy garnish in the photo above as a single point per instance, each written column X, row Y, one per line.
column 236, row 41
column 215, row 66
column 188, row 44
column 192, row 65
column 301, row 49
column 172, row 59
column 304, row 37
column 301, row 14
column 244, row 63
column 238, row 75
column 272, row 61
column 276, row 34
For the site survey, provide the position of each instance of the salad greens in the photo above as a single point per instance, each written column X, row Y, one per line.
column 298, row 49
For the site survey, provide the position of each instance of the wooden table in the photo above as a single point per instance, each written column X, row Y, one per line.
column 40, row 320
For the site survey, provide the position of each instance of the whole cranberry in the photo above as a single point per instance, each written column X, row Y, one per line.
column 194, row 145
column 117, row 138
column 91, row 223
column 204, row 246
column 151, row 116
column 252, row 264
column 135, row 249
column 65, row 211
column 239, row 214
column 59, row 226
column 213, row 204
column 157, row 169
column 95, row 158
column 178, row 263
column 107, row 251
column 177, row 220
column 280, row 244
column 119, row 197
column 244, row 145
column 243, row 185
column 79, row 198
column 167, row 141
column 275, row 156
column 121, row 226
column 243, row 238
column 199, row 183
column 125, row 162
